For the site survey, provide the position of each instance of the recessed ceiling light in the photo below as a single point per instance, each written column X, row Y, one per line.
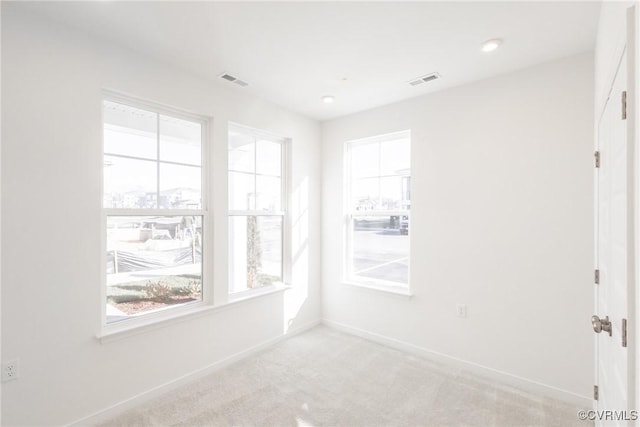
column 491, row 45
column 328, row 99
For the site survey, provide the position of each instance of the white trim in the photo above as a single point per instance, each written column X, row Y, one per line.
column 256, row 213
column 285, row 202
column 358, row 214
column 161, row 316
column 348, row 275
column 153, row 212
column 120, row 330
column 140, row 398
column 496, row 375
column 255, row 292
column 287, row 206
column 255, row 173
column 632, row 194
column 206, row 202
column 633, row 88
column 153, row 106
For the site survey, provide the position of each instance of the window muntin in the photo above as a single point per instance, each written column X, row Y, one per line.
column 378, row 215
column 256, row 209
column 153, row 208
column 152, row 160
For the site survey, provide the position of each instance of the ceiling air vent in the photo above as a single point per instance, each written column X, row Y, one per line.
column 424, row 79
column 233, row 79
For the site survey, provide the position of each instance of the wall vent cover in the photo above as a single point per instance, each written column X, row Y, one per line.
column 424, row 79
column 233, row 79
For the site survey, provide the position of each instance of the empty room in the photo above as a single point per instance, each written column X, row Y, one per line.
column 319, row 213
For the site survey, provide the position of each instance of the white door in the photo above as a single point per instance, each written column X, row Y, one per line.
column 613, row 251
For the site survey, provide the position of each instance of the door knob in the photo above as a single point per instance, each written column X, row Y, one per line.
column 600, row 325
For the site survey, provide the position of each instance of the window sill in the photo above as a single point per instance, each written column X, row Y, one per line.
column 117, row 331
column 378, row 287
column 254, row 293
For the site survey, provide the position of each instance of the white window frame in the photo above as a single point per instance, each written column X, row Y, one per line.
column 160, row 316
column 285, row 144
column 349, row 278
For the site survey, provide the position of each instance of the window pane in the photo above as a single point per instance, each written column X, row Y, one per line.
column 391, row 193
column 255, row 251
column 365, row 160
column 180, row 187
column 130, row 131
column 180, row 141
column 269, row 158
column 365, row 194
column 380, row 181
column 241, row 152
column 395, row 156
column 268, row 191
column 241, row 191
column 122, row 141
column 153, row 263
column 381, row 248
column 129, row 183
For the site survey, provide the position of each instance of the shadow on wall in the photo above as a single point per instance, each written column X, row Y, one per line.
column 299, row 240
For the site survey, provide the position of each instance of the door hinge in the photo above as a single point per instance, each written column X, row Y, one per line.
column 595, row 392
column 596, row 276
column 624, row 332
column 596, row 155
column 624, row 105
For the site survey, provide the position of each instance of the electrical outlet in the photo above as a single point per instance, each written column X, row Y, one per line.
column 10, row 370
column 461, row 310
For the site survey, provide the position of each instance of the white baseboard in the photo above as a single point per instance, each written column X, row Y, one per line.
column 498, row 376
column 141, row 398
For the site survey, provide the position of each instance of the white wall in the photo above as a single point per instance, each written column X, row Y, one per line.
column 501, row 221
column 51, row 201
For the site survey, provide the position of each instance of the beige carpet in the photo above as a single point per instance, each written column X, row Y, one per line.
column 327, row 378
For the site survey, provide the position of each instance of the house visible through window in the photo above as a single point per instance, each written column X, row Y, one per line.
column 378, row 214
column 153, row 206
column 256, row 209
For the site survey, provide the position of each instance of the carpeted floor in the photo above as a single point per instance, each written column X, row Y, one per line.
column 327, row 378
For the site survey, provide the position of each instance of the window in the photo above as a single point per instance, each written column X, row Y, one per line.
column 256, row 209
column 378, row 210
column 153, row 208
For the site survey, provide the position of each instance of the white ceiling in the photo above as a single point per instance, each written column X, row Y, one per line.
column 363, row 53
